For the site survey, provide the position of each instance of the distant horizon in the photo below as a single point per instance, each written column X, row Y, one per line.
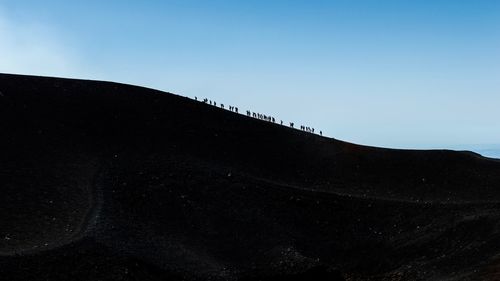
column 400, row 74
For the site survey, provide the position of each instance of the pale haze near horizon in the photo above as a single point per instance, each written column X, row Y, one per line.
column 404, row 74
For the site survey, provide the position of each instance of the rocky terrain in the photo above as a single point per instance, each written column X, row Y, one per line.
column 106, row 181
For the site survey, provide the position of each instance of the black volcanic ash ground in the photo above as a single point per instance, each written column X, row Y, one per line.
column 105, row 181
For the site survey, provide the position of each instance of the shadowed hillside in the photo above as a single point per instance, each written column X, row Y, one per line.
column 105, row 181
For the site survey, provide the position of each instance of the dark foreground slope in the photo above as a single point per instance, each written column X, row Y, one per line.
column 104, row 181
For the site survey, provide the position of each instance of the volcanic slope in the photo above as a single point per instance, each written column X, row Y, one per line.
column 106, row 181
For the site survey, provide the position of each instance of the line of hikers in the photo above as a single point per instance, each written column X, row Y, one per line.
column 259, row 116
column 308, row 129
column 262, row 117
column 231, row 108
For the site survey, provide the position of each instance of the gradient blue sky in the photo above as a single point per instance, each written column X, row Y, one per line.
column 412, row 74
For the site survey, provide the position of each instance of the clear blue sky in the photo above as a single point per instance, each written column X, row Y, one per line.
column 413, row 74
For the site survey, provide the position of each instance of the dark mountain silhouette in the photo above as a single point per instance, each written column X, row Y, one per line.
column 105, row 181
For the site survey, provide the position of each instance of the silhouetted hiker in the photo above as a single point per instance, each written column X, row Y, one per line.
column 291, row 124
column 236, row 109
column 312, row 130
column 195, row 98
column 248, row 112
column 221, row 105
column 321, row 133
column 273, row 119
column 254, row 115
column 210, row 102
column 205, row 100
column 281, row 122
column 215, row 104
